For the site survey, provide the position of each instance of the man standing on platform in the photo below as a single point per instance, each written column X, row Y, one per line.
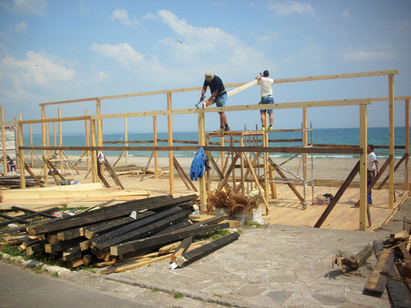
column 372, row 166
column 219, row 94
column 266, row 98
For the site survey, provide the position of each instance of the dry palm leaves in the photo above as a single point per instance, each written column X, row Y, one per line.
column 235, row 203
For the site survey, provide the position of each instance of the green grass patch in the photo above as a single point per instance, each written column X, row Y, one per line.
column 178, row 295
column 11, row 250
column 252, row 224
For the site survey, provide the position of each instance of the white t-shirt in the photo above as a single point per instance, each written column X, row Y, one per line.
column 371, row 158
column 266, row 86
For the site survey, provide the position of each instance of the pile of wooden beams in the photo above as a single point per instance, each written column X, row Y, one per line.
column 392, row 270
column 120, row 231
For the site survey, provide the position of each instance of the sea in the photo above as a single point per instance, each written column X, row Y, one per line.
column 334, row 136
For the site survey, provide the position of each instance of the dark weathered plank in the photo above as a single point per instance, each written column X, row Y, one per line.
column 106, row 226
column 141, row 232
column 338, row 195
column 157, row 241
column 133, row 226
column 206, row 249
column 182, row 248
column 108, row 213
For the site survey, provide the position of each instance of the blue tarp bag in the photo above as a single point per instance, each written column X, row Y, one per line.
column 197, row 166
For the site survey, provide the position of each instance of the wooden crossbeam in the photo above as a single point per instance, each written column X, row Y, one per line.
column 185, row 178
column 377, row 176
column 113, row 174
column 395, row 169
column 338, row 195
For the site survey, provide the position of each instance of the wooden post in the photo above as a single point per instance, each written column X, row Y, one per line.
column 201, row 142
column 43, row 138
column 31, row 144
column 363, row 167
column 392, row 140
column 155, row 144
column 243, row 180
column 21, row 154
column 170, row 143
column 87, row 133
column 407, row 143
column 60, row 138
column 305, row 141
column 126, row 137
column 3, row 133
column 266, row 172
column 94, row 165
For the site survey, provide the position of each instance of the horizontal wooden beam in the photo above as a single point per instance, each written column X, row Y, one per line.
column 230, row 85
column 336, row 150
column 310, row 104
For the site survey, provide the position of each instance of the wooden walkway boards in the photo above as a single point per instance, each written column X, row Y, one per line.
column 286, row 209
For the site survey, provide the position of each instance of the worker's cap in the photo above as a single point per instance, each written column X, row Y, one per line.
column 209, row 76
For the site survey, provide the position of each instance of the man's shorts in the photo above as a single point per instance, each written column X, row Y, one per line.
column 220, row 101
column 267, row 100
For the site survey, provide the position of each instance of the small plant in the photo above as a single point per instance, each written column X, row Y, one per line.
column 178, row 295
column 11, row 250
column 155, row 290
column 38, row 269
column 252, row 224
column 219, row 234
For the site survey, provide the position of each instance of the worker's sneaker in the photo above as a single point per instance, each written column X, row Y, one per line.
column 219, row 130
column 270, row 128
column 263, row 128
column 227, row 128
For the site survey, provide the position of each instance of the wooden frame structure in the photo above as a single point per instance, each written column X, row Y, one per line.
column 95, row 123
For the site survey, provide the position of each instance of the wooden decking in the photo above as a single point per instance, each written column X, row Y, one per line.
column 286, row 209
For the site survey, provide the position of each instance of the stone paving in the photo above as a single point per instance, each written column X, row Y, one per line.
column 276, row 266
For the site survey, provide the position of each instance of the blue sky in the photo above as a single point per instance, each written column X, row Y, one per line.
column 64, row 50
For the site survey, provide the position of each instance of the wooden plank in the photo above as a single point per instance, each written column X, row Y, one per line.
column 106, row 226
column 103, row 214
column 141, row 232
column 376, row 282
column 397, row 165
column 33, row 175
column 337, row 196
column 206, row 249
column 377, row 177
column 182, row 248
column 113, row 174
column 156, row 241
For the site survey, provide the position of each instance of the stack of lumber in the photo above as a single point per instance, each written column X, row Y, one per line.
column 119, row 231
column 85, row 192
column 392, row 270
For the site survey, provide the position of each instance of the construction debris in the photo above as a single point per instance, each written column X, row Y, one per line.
column 121, row 235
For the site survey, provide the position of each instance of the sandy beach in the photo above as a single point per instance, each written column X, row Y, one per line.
column 323, row 168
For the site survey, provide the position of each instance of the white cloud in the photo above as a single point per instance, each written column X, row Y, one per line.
column 36, row 72
column 345, row 14
column 286, row 8
column 366, row 55
column 122, row 16
column 211, row 45
column 21, row 27
column 29, row 7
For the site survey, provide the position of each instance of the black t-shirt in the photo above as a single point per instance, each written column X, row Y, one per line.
column 215, row 84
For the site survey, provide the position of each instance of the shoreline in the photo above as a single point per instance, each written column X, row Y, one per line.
column 324, row 168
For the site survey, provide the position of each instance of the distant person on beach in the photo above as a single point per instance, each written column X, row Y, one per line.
column 219, row 94
column 266, row 98
column 372, row 166
column 11, row 166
